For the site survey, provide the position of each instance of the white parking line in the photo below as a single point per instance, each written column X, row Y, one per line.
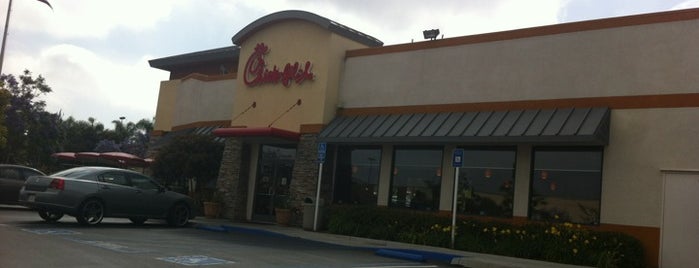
column 195, row 260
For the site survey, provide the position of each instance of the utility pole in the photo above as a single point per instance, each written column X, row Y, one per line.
column 4, row 35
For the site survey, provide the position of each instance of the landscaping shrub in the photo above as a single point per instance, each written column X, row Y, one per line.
column 554, row 242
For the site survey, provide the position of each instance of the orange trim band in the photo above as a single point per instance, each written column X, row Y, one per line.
column 660, row 17
column 618, row 102
column 209, row 78
column 202, row 124
column 311, row 128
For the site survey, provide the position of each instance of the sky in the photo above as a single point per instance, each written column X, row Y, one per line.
column 94, row 53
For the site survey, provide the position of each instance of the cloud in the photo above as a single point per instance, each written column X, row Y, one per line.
column 686, row 4
column 87, row 85
column 91, row 19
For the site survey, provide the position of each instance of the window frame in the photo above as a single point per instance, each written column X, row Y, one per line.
column 532, row 171
column 393, row 175
column 505, row 148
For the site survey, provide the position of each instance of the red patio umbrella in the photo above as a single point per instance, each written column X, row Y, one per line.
column 64, row 155
column 124, row 158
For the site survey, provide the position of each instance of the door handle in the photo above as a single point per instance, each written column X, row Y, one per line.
column 106, row 187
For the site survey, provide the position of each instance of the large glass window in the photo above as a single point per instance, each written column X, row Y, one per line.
column 486, row 182
column 357, row 175
column 417, row 177
column 566, row 185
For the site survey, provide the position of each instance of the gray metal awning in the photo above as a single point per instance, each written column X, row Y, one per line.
column 567, row 126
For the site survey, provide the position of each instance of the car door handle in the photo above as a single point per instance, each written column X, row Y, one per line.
column 106, row 187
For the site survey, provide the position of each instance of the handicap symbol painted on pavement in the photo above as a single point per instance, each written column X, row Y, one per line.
column 110, row 246
column 195, row 260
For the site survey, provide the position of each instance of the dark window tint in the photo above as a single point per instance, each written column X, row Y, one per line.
column 73, row 173
column 486, row 182
column 143, row 182
column 416, row 180
column 566, row 185
column 357, row 175
column 29, row 173
column 10, row 173
column 114, row 177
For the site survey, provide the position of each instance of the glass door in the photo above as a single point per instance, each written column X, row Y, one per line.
column 274, row 170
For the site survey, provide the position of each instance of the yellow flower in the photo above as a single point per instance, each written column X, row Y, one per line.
column 485, row 230
column 587, row 241
column 575, row 237
column 555, row 216
column 495, row 228
column 575, row 251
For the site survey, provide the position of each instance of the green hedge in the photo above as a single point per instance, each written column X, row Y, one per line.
column 553, row 242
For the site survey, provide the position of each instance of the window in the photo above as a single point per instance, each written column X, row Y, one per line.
column 417, row 177
column 142, row 182
column 10, row 173
column 486, row 182
column 566, row 185
column 357, row 175
column 114, row 177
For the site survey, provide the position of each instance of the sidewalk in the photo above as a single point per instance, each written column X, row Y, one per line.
column 385, row 248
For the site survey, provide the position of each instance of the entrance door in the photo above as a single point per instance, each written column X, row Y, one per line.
column 680, row 226
column 273, row 179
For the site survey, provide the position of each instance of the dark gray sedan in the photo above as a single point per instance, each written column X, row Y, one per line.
column 92, row 193
column 12, row 178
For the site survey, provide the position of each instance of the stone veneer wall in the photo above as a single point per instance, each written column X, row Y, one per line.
column 230, row 184
column 305, row 173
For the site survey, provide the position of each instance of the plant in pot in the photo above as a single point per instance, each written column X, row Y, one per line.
column 212, row 204
column 282, row 210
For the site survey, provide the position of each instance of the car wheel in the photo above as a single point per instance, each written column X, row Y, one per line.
column 91, row 212
column 138, row 220
column 178, row 216
column 50, row 216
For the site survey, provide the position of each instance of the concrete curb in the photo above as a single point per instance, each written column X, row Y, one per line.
column 397, row 253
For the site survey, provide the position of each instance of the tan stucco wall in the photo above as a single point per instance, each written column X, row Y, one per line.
column 164, row 113
column 290, row 42
column 633, row 60
column 643, row 142
column 182, row 102
column 200, row 101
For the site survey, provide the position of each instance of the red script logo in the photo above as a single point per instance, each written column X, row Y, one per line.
column 256, row 72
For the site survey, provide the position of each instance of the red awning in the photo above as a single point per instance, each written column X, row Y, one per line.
column 258, row 132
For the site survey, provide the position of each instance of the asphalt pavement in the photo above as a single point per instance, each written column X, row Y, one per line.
column 391, row 249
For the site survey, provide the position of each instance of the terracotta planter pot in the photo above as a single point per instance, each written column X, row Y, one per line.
column 212, row 209
column 283, row 216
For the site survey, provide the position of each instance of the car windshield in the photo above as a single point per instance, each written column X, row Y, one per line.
column 72, row 173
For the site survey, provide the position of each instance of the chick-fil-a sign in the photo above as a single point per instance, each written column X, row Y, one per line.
column 256, row 73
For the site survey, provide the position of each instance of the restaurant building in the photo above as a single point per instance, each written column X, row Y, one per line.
column 592, row 122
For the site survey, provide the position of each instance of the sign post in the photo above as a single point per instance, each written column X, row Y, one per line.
column 457, row 162
column 322, row 149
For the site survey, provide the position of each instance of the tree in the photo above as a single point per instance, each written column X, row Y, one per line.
column 32, row 133
column 4, row 103
column 80, row 136
column 188, row 157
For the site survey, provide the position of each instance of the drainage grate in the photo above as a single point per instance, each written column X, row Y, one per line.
column 195, row 260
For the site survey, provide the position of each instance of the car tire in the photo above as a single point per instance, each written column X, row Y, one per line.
column 178, row 215
column 50, row 216
column 138, row 220
column 91, row 212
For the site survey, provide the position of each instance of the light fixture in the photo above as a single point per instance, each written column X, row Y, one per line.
column 430, row 34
